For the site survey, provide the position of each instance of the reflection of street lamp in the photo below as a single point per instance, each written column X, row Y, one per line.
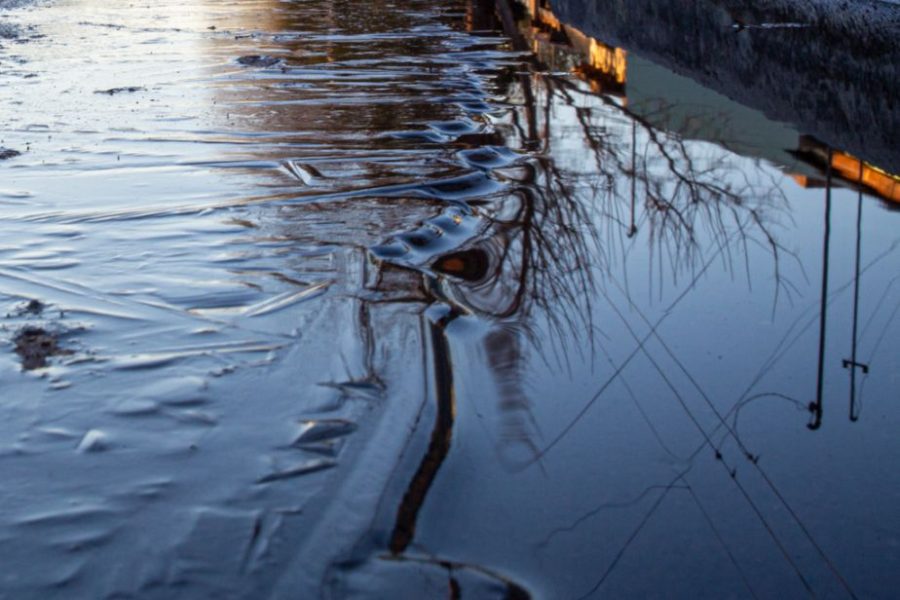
column 852, row 363
column 816, row 407
column 848, row 363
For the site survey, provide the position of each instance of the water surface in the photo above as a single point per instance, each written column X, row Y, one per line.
column 374, row 299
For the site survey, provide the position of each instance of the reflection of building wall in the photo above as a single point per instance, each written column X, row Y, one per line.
column 841, row 88
column 605, row 63
column 691, row 110
column 604, row 67
column 884, row 184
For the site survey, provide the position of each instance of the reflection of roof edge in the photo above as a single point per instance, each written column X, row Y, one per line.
column 849, row 169
column 603, row 66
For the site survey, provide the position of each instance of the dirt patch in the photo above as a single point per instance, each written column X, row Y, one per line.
column 7, row 153
column 35, row 345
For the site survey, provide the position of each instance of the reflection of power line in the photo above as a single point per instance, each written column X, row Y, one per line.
column 852, row 363
column 754, row 459
column 732, row 471
column 623, row 364
column 722, row 542
column 803, row 323
column 640, row 347
column 634, row 534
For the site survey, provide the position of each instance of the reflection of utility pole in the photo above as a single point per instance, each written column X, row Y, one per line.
column 816, row 407
column 852, row 363
column 416, row 493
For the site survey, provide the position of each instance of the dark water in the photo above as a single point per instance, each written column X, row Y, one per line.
column 369, row 299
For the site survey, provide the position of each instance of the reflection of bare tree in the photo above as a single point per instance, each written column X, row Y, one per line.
column 569, row 220
column 692, row 193
column 691, row 196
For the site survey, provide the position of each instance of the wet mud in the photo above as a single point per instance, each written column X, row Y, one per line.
column 343, row 299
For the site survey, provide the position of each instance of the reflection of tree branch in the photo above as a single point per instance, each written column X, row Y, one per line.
column 683, row 191
column 544, row 244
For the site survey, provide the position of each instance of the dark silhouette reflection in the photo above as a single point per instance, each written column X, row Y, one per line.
column 536, row 255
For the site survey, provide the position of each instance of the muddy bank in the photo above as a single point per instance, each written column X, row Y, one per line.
column 831, row 71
